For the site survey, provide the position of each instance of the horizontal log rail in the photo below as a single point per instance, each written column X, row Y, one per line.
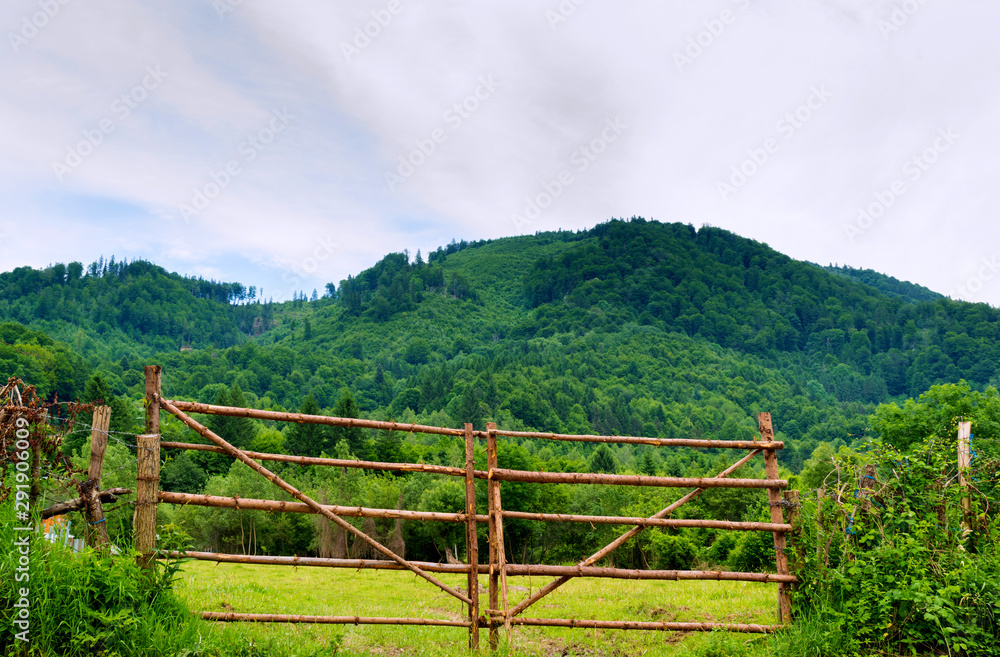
column 639, row 440
column 528, row 476
column 68, row 506
column 514, row 570
column 646, row 625
column 649, row 522
column 231, row 617
column 338, row 463
column 281, row 416
column 251, row 504
column 526, row 570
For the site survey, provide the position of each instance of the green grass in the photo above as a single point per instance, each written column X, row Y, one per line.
column 337, row 592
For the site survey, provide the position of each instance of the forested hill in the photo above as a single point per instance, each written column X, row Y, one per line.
column 629, row 327
column 743, row 295
column 887, row 284
column 129, row 307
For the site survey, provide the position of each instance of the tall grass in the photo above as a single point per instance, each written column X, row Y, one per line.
column 89, row 603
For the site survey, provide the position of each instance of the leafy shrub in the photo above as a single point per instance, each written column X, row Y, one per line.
column 887, row 566
column 90, row 603
column 753, row 552
column 671, row 552
column 718, row 552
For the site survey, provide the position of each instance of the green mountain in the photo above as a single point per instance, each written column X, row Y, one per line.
column 629, row 327
column 886, row 284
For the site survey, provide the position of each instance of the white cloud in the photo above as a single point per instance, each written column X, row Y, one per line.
column 555, row 88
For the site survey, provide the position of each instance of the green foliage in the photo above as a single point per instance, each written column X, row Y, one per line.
column 121, row 304
column 310, row 439
column 603, row 460
column 671, row 551
column 353, row 436
column 887, row 566
column 91, row 604
column 937, row 412
column 753, row 552
column 52, row 367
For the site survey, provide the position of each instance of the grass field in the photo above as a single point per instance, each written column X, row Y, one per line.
column 338, row 592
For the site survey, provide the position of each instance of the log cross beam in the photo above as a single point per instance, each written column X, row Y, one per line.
column 615, row 544
column 302, row 497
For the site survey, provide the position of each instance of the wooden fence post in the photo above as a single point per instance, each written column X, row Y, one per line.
column 471, row 537
column 964, row 464
column 90, row 490
column 775, row 502
column 498, row 561
column 147, row 494
column 148, row 475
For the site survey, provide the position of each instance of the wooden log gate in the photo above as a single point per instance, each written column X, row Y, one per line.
column 499, row 612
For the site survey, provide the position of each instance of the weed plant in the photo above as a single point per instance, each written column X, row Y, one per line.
column 891, row 563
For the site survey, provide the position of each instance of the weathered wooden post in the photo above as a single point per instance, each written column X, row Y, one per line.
column 498, row 561
column 148, row 476
column 775, row 502
column 964, row 465
column 471, row 537
column 90, row 490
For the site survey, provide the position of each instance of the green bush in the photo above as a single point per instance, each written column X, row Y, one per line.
column 718, row 552
column 887, row 565
column 92, row 604
column 753, row 552
column 671, row 552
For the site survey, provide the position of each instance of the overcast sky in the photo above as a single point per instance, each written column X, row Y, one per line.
column 289, row 143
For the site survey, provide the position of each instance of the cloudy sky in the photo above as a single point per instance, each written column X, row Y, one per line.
column 289, row 143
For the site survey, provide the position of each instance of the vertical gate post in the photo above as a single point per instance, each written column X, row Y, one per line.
column 471, row 537
column 775, row 503
column 498, row 561
column 97, row 531
column 148, row 476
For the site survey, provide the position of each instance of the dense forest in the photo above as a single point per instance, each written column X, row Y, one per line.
column 632, row 327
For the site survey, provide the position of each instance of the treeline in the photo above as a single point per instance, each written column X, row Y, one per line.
column 52, row 367
column 396, row 285
column 740, row 294
column 138, row 302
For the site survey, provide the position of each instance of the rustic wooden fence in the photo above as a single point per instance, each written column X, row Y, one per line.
column 499, row 613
